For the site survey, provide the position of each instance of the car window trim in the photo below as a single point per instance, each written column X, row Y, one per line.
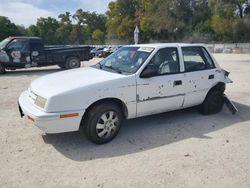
column 208, row 56
column 177, row 56
column 200, row 48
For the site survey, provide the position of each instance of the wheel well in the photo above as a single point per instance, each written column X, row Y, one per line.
column 72, row 56
column 2, row 68
column 115, row 101
column 219, row 86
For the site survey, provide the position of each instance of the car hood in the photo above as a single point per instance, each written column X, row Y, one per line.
column 65, row 81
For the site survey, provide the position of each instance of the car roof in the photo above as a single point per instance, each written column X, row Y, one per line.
column 23, row 37
column 165, row 45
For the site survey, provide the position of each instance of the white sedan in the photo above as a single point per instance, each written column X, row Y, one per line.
column 134, row 81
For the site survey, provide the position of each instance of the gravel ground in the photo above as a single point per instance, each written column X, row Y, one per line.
column 176, row 149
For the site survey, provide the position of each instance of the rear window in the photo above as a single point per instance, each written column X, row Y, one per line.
column 36, row 45
column 196, row 58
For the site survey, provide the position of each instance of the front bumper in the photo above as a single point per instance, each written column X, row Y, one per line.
column 48, row 122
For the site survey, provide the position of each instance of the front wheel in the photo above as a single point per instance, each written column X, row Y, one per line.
column 102, row 123
column 72, row 63
column 213, row 102
column 2, row 69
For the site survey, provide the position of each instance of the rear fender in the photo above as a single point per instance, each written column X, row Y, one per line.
column 223, row 76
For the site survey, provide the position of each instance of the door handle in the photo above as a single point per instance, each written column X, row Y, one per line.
column 210, row 77
column 177, row 82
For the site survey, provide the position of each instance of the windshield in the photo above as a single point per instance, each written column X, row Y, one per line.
column 4, row 42
column 126, row 59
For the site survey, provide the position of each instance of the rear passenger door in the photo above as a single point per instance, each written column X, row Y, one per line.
column 38, row 56
column 199, row 74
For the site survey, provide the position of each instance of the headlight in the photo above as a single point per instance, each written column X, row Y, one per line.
column 40, row 101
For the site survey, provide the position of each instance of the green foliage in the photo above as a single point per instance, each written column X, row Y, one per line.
column 47, row 28
column 241, row 30
column 33, row 31
column 158, row 20
column 221, row 26
column 7, row 28
column 178, row 20
column 122, row 19
column 204, row 27
column 98, row 37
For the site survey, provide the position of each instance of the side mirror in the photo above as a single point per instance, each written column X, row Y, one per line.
column 34, row 53
column 148, row 72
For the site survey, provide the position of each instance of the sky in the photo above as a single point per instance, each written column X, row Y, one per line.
column 26, row 12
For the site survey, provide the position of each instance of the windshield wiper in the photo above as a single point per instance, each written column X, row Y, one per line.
column 100, row 65
column 108, row 67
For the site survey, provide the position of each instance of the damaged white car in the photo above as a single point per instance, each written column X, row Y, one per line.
column 134, row 81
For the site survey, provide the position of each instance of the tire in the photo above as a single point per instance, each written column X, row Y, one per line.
column 213, row 102
column 72, row 63
column 102, row 123
column 2, row 69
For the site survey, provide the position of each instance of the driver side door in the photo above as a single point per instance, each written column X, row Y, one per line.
column 18, row 52
column 163, row 91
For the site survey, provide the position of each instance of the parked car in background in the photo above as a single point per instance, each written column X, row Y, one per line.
column 26, row 52
column 92, row 52
column 134, row 81
column 109, row 50
column 99, row 51
column 106, row 52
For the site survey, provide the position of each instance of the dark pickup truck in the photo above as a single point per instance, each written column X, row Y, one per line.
column 25, row 52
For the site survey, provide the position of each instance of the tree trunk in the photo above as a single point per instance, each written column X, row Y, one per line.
column 241, row 10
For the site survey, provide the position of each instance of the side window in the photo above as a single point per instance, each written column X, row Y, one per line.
column 35, row 45
column 18, row 45
column 196, row 58
column 165, row 61
column 209, row 61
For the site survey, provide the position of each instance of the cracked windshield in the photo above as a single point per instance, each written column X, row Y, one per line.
column 126, row 59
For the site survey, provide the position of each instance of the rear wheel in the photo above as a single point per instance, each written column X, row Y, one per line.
column 213, row 102
column 2, row 69
column 102, row 123
column 72, row 63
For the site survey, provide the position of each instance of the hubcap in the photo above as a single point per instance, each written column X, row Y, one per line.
column 107, row 124
column 73, row 63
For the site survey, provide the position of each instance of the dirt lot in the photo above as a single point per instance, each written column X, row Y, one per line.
column 176, row 149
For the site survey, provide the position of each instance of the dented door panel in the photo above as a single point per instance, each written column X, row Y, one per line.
column 159, row 94
column 197, row 85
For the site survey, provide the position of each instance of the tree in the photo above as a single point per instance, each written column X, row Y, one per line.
column 241, row 30
column 229, row 8
column 122, row 19
column 65, row 18
column 22, row 30
column 222, row 27
column 47, row 28
column 240, row 6
column 33, row 31
column 63, row 34
column 7, row 28
column 98, row 37
column 89, row 22
column 247, row 8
